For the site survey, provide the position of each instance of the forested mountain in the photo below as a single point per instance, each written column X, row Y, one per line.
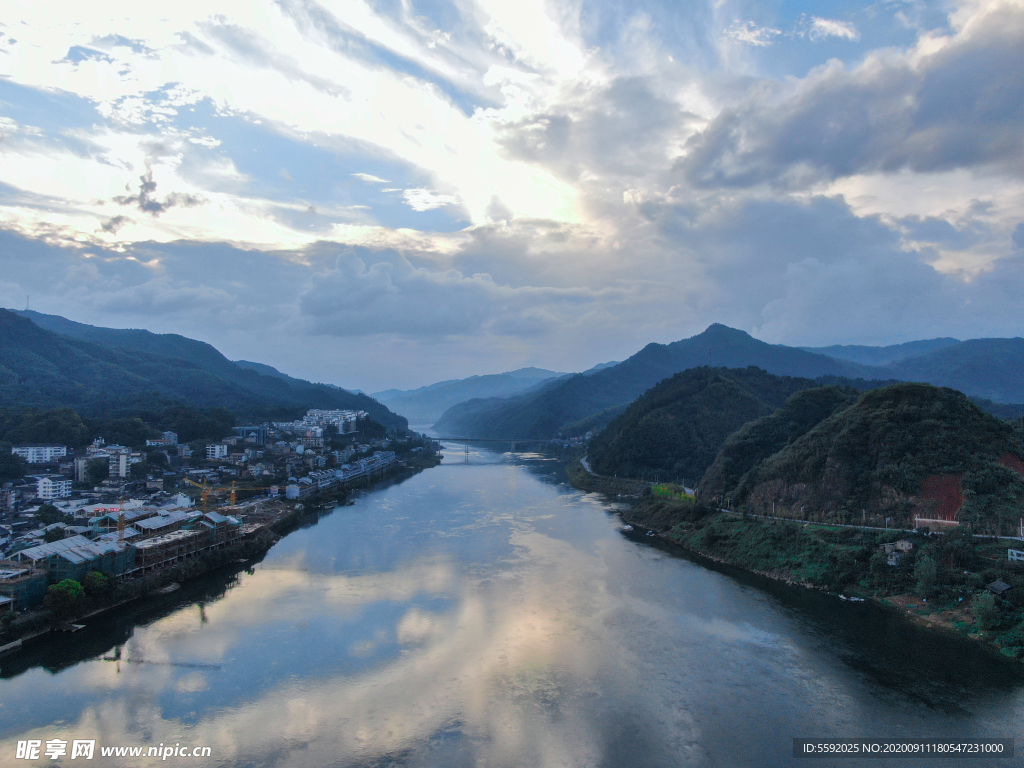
column 984, row 368
column 731, row 472
column 675, row 429
column 431, row 401
column 991, row 369
column 554, row 407
column 93, row 369
column 883, row 355
column 899, row 451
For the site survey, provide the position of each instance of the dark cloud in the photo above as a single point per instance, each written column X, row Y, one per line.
column 620, row 130
column 961, row 106
column 113, row 224
column 370, row 293
column 148, row 203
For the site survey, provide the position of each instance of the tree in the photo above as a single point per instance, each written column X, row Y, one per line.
column 12, row 466
column 984, row 610
column 927, row 575
column 96, row 584
column 97, row 470
column 65, row 599
column 54, row 534
column 49, row 514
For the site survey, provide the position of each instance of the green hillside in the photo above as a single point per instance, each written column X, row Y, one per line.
column 900, row 451
column 675, row 429
column 41, row 368
column 551, row 409
column 730, row 473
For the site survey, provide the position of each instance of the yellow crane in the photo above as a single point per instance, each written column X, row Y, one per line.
column 207, row 489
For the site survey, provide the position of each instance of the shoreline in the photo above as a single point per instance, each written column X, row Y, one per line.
column 904, row 605
column 39, row 623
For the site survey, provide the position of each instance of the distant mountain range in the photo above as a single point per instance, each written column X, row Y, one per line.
column 47, row 361
column 991, row 369
column 431, row 401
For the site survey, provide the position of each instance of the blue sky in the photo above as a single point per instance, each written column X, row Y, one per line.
column 382, row 194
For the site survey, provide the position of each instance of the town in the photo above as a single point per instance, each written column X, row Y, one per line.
column 115, row 513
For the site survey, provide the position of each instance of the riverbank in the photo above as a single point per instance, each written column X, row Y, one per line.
column 939, row 582
column 265, row 523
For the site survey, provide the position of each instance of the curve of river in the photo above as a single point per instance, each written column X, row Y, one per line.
column 488, row 614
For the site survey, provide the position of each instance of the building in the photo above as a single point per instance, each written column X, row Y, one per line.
column 999, row 588
column 53, row 487
column 75, row 556
column 24, row 586
column 216, row 451
column 167, row 439
column 40, row 454
column 1015, row 555
column 255, row 434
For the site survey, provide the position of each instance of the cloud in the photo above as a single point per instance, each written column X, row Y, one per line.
column 749, row 33
column 817, row 28
column 953, row 102
column 426, row 200
column 391, row 296
column 370, row 178
column 147, row 203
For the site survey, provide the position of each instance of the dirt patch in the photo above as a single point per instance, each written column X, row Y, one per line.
column 1010, row 461
column 942, row 497
column 926, row 613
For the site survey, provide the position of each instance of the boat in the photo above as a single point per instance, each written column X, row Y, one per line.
column 626, row 528
column 650, row 533
column 172, row 587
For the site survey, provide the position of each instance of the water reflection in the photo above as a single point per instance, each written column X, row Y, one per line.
column 487, row 614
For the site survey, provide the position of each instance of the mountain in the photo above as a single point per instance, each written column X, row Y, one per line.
column 755, row 441
column 88, row 367
column 898, row 452
column 263, row 368
column 555, row 406
column 985, row 368
column 674, row 430
column 883, row 355
column 431, row 401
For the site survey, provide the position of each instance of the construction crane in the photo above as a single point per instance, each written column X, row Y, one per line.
column 207, row 489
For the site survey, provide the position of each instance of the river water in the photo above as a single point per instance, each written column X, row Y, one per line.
column 485, row 613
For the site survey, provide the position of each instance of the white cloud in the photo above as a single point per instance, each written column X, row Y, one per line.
column 370, row 178
column 749, row 33
column 818, row 28
column 426, row 200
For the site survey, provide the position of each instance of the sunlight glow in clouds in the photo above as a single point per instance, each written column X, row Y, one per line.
column 520, row 153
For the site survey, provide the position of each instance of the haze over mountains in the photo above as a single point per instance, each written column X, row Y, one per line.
column 48, row 361
column 983, row 368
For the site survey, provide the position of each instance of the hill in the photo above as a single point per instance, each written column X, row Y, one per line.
column 745, row 450
column 92, row 368
column 898, row 452
column 431, row 401
column 675, row 429
column 883, row 355
column 552, row 408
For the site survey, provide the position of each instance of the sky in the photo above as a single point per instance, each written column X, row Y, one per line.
column 388, row 193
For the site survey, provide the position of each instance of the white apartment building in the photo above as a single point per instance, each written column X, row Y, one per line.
column 217, row 451
column 53, row 487
column 40, row 454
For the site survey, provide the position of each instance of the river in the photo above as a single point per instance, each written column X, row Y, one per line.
column 485, row 613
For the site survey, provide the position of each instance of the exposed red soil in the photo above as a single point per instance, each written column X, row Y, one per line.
column 1010, row 461
column 943, row 496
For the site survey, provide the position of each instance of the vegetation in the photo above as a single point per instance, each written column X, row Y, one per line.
column 878, row 458
column 65, row 599
column 986, row 368
column 731, row 472
column 97, row 370
column 949, row 570
column 676, row 428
